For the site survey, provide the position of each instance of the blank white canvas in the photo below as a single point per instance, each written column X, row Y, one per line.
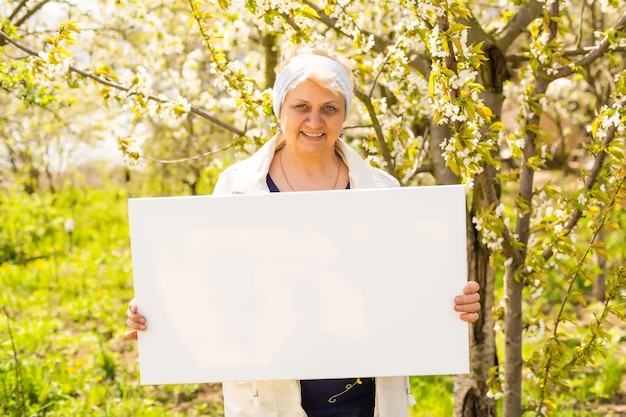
column 309, row 285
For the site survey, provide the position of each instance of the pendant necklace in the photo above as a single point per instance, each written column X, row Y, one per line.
column 282, row 168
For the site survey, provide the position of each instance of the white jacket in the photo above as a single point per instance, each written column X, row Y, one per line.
column 249, row 175
column 281, row 398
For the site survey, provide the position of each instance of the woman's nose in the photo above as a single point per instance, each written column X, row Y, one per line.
column 315, row 119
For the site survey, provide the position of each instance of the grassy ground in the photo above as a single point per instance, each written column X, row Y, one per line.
column 62, row 312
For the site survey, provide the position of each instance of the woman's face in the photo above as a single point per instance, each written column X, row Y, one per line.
column 312, row 117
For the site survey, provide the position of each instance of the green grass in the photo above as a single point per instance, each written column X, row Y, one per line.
column 63, row 299
column 63, row 303
column 433, row 395
column 63, row 318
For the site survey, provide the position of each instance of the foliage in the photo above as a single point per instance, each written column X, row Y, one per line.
column 62, row 324
column 503, row 93
column 432, row 394
column 63, row 320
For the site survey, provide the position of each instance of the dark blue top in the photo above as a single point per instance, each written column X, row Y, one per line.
column 351, row 397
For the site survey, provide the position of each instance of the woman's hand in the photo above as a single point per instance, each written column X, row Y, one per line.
column 468, row 303
column 135, row 320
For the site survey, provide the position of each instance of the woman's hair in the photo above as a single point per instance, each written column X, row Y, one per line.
column 313, row 62
column 313, row 48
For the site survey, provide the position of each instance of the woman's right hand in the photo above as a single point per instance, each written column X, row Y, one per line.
column 135, row 321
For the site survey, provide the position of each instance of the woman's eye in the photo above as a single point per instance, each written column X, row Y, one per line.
column 330, row 109
column 301, row 106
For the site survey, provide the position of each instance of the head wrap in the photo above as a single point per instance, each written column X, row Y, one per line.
column 309, row 66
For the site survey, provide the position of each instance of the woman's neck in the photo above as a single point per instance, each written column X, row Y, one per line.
column 302, row 172
column 310, row 163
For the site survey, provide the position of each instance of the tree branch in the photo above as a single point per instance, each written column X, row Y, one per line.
column 31, row 12
column 17, row 9
column 380, row 136
column 530, row 148
column 591, row 179
column 419, row 63
column 487, row 182
column 103, row 81
column 28, row 14
column 594, row 54
column 589, row 345
column 519, row 23
column 517, row 59
column 189, row 159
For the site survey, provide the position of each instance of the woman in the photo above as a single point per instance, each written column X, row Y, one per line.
column 312, row 96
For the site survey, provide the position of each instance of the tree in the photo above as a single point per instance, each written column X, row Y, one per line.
column 489, row 95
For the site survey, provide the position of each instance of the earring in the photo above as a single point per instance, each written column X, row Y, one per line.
column 280, row 130
column 341, row 135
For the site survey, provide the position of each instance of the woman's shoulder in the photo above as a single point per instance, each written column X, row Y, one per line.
column 234, row 177
column 247, row 175
column 362, row 173
column 368, row 176
column 385, row 179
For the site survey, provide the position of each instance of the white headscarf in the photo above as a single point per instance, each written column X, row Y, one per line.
column 303, row 67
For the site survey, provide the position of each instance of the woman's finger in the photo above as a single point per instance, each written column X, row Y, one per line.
column 467, row 299
column 468, row 308
column 471, row 287
column 131, row 334
column 469, row 317
column 136, row 324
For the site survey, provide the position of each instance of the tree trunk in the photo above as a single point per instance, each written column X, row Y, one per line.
column 512, row 406
column 271, row 58
column 470, row 391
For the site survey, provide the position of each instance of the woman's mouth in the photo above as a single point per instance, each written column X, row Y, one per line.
column 312, row 135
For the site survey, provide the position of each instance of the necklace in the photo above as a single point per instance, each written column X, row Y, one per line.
column 333, row 399
column 282, row 168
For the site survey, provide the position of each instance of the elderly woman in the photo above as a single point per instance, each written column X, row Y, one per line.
column 312, row 97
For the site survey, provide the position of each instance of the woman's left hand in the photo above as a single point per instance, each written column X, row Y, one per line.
column 469, row 303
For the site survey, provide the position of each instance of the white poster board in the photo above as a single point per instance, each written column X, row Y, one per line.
column 310, row 285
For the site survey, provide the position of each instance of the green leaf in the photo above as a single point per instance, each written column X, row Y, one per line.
column 577, row 296
column 309, row 12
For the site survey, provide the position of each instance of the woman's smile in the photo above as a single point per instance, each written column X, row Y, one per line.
column 313, row 135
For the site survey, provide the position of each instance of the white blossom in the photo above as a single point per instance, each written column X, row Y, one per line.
column 48, row 71
column 435, row 45
column 607, row 7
